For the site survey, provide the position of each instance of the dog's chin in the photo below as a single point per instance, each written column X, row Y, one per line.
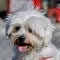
column 24, row 47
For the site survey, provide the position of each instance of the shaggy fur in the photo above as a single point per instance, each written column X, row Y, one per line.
column 37, row 29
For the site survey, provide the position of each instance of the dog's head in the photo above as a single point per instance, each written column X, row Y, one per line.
column 29, row 31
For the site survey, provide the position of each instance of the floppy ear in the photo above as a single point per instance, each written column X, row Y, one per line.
column 48, row 33
column 8, row 32
column 8, row 28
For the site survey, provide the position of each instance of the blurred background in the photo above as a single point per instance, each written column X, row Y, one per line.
column 51, row 8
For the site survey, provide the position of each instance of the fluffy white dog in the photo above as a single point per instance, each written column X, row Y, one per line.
column 31, row 32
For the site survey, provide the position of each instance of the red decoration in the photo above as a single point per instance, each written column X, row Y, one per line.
column 45, row 58
column 56, row 12
column 38, row 4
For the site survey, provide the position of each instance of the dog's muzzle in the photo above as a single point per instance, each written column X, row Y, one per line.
column 21, row 44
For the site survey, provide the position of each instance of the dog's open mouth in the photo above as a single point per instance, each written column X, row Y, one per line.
column 23, row 47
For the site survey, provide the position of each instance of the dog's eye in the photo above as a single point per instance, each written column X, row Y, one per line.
column 30, row 30
column 17, row 28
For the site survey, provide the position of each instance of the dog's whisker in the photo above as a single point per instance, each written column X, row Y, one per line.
column 13, row 39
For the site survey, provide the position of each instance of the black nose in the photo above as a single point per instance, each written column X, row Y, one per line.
column 22, row 38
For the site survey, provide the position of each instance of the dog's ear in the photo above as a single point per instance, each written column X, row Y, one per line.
column 48, row 33
column 8, row 32
column 8, row 28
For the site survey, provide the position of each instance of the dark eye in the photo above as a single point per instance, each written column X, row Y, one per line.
column 30, row 30
column 17, row 28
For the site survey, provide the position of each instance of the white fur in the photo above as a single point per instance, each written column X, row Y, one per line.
column 41, row 26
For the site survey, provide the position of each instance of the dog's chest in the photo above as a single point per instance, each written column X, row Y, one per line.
column 47, row 58
column 37, row 57
column 32, row 56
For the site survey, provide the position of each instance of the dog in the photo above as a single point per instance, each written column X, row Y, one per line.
column 30, row 32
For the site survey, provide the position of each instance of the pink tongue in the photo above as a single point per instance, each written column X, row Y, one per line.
column 22, row 48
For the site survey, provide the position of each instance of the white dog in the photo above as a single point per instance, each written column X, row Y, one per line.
column 31, row 32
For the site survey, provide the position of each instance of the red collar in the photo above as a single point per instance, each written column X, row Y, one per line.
column 45, row 58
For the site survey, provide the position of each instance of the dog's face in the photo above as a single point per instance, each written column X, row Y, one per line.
column 28, row 35
column 24, row 37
